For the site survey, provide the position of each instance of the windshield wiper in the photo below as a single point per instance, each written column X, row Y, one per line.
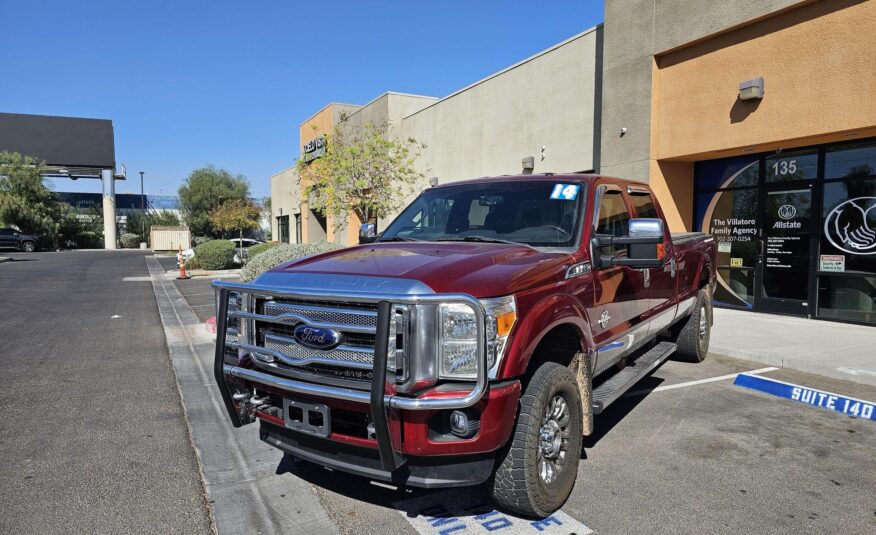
column 483, row 239
column 399, row 238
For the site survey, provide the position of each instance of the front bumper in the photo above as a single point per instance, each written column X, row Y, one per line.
column 426, row 472
column 382, row 398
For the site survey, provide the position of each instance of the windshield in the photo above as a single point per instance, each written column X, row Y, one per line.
column 539, row 213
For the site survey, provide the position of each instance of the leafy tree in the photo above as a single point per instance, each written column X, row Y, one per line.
column 25, row 201
column 81, row 226
column 236, row 215
column 203, row 191
column 363, row 170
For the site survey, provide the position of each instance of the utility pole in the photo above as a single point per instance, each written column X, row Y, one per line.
column 142, row 207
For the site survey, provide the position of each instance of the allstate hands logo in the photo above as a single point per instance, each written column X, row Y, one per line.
column 851, row 226
column 787, row 211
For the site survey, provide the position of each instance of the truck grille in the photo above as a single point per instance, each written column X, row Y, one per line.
column 270, row 334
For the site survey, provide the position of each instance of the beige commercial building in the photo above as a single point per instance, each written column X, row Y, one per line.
column 544, row 109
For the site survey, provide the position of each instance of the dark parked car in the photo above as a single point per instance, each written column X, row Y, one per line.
column 13, row 239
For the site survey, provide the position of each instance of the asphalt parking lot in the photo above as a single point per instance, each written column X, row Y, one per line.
column 704, row 458
column 93, row 436
column 689, row 452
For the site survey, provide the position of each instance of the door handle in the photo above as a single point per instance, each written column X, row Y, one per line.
column 647, row 278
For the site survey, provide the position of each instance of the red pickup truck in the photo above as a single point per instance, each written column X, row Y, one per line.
column 474, row 340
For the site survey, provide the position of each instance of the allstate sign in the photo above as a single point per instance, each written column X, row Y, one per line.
column 851, row 226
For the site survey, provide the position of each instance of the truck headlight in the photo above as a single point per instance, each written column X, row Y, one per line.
column 458, row 336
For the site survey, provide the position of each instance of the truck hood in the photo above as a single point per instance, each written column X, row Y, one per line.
column 479, row 269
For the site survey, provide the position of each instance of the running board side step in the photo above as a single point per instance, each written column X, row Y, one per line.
column 608, row 392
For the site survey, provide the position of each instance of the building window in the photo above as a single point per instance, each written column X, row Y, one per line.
column 298, row 228
column 283, row 228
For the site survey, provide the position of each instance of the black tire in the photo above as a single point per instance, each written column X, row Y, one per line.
column 28, row 247
column 518, row 484
column 692, row 336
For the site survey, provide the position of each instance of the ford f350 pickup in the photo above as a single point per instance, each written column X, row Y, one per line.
column 471, row 342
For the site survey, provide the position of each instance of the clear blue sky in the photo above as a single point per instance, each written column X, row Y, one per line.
column 227, row 83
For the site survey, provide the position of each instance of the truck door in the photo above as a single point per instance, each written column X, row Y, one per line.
column 621, row 299
column 661, row 281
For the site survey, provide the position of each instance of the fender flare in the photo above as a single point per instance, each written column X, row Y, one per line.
column 544, row 316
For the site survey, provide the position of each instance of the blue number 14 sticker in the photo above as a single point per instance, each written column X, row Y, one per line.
column 565, row 192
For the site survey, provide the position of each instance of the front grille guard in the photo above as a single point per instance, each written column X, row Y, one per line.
column 378, row 398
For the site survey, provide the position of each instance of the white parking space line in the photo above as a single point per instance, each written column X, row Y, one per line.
column 694, row 383
column 136, row 279
column 464, row 511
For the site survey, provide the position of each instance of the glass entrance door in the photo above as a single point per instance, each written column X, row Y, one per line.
column 785, row 250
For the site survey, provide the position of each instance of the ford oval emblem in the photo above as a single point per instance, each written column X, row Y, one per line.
column 317, row 337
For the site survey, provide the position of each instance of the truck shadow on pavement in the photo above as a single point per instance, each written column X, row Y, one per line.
column 617, row 411
column 349, row 485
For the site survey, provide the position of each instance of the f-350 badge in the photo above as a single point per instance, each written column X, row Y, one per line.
column 603, row 319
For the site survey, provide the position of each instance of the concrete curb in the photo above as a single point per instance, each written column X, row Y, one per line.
column 246, row 492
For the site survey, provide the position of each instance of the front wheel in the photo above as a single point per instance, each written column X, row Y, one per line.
column 28, row 247
column 538, row 470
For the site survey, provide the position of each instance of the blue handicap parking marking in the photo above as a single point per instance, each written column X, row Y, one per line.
column 463, row 511
column 565, row 192
column 810, row 396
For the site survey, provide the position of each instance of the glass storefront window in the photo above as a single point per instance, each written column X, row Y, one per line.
column 735, row 287
column 788, row 166
column 850, row 161
column 795, row 230
column 847, row 298
column 849, row 226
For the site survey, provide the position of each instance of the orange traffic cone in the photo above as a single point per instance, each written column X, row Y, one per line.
column 182, row 265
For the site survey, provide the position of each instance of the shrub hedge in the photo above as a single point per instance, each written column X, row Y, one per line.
column 130, row 241
column 264, row 261
column 200, row 240
column 214, row 254
column 260, row 248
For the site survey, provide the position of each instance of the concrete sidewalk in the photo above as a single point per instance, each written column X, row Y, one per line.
column 837, row 350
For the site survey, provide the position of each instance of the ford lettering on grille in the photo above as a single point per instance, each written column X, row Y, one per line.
column 317, row 337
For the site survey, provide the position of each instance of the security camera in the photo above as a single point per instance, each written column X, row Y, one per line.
column 623, row 130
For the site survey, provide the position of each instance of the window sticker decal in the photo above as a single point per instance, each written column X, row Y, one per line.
column 565, row 192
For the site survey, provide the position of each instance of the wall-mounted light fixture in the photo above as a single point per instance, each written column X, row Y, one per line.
column 279, row 211
column 528, row 164
column 751, row 89
column 433, row 181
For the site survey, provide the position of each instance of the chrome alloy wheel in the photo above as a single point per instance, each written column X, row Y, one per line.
column 704, row 326
column 553, row 440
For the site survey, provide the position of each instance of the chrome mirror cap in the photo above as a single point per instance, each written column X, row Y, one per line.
column 646, row 228
column 367, row 233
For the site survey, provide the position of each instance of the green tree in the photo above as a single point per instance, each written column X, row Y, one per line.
column 25, row 201
column 364, row 170
column 203, row 191
column 236, row 215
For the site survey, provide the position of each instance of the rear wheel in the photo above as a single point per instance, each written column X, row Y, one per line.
column 28, row 247
column 692, row 336
column 538, row 470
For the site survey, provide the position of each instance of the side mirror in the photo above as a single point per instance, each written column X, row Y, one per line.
column 367, row 233
column 644, row 243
